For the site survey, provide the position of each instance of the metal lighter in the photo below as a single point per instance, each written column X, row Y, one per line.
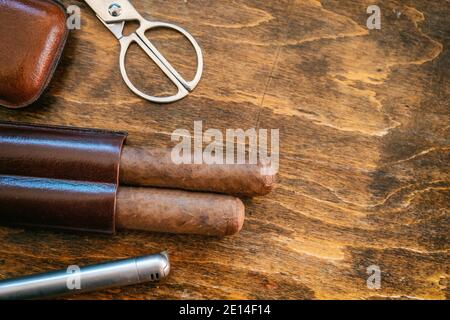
column 95, row 277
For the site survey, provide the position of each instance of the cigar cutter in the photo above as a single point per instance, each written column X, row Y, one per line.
column 114, row 14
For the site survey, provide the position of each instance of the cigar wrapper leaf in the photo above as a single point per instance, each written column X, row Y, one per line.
column 176, row 211
column 145, row 167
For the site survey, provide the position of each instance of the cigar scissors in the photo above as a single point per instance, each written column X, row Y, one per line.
column 114, row 14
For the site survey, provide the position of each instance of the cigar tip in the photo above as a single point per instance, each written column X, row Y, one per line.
column 266, row 184
column 269, row 182
column 235, row 224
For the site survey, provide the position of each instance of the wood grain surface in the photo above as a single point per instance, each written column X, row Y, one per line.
column 364, row 136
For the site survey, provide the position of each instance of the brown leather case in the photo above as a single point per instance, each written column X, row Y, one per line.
column 59, row 177
column 32, row 37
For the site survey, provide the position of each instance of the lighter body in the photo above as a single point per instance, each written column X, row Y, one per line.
column 85, row 279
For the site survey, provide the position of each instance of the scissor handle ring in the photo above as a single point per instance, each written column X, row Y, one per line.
column 148, row 25
column 184, row 87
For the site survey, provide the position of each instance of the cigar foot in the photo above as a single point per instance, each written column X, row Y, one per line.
column 267, row 185
column 235, row 224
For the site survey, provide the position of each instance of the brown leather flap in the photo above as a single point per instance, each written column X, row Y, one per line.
column 32, row 37
column 59, row 177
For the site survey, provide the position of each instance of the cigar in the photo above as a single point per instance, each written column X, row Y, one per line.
column 176, row 211
column 154, row 168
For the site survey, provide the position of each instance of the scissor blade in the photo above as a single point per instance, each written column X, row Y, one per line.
column 101, row 8
column 97, row 5
column 116, row 28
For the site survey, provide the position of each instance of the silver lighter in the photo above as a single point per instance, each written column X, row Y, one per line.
column 95, row 277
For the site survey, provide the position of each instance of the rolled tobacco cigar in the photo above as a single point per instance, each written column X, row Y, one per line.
column 155, row 168
column 176, row 211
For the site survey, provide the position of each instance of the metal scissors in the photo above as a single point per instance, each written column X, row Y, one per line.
column 114, row 14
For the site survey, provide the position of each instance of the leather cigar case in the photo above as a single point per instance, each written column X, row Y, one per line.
column 32, row 37
column 59, row 177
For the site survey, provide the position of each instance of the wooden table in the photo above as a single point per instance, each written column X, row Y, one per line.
column 364, row 125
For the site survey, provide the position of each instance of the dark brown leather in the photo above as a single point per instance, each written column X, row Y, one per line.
column 59, row 177
column 32, row 37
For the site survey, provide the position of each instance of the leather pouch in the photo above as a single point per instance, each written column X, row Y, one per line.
column 32, row 37
column 59, row 177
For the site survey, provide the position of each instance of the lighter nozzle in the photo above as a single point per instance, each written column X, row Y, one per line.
column 154, row 267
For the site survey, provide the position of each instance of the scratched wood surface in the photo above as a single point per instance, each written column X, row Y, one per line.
column 364, row 166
